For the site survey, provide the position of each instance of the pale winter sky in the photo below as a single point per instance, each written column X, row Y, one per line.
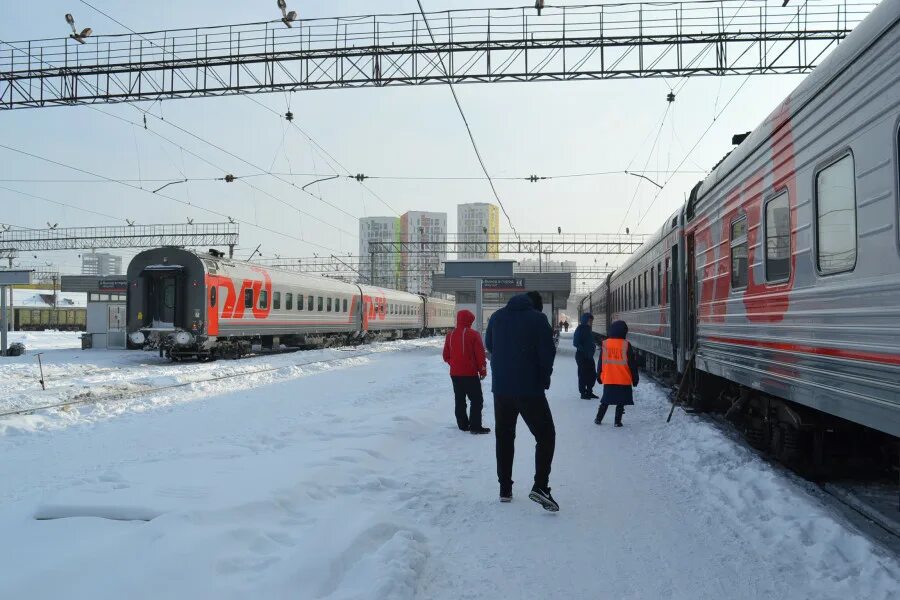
column 521, row 128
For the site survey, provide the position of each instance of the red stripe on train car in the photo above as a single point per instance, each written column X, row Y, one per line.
column 877, row 357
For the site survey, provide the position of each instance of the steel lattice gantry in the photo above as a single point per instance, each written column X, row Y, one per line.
column 136, row 236
column 539, row 244
column 725, row 37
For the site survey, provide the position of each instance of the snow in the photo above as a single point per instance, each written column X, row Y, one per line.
column 40, row 341
column 39, row 299
column 341, row 474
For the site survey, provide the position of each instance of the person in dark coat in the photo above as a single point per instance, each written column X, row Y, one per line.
column 520, row 341
column 585, row 348
column 566, row 326
column 618, row 369
column 464, row 352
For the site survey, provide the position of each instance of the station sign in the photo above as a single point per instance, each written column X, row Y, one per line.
column 505, row 284
column 16, row 277
column 113, row 285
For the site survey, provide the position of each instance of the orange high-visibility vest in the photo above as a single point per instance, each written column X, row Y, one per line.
column 614, row 368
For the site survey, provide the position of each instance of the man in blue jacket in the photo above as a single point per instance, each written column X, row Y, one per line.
column 585, row 348
column 520, row 341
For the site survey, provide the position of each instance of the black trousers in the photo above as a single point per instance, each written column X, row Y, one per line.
column 601, row 412
column 536, row 413
column 587, row 374
column 471, row 387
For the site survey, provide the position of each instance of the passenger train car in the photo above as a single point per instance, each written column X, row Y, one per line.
column 781, row 273
column 191, row 305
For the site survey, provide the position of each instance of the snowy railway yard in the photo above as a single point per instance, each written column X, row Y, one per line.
column 341, row 474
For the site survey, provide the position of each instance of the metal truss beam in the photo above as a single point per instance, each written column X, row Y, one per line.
column 730, row 37
column 136, row 236
column 524, row 244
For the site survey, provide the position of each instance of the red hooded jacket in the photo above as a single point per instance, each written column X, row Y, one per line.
column 463, row 348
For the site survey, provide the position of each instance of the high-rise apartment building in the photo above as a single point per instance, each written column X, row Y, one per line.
column 424, row 235
column 101, row 264
column 385, row 271
column 478, row 225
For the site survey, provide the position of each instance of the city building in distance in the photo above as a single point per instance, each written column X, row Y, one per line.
column 385, row 271
column 425, row 236
column 479, row 222
column 101, row 264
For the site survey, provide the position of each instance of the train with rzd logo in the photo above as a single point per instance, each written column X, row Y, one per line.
column 776, row 287
column 204, row 306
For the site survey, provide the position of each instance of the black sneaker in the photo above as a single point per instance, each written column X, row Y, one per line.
column 585, row 397
column 542, row 496
column 479, row 430
column 593, row 396
column 618, row 424
column 506, row 493
column 463, row 428
column 597, row 421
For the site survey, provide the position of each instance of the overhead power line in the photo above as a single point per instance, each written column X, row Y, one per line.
column 466, row 121
column 173, row 199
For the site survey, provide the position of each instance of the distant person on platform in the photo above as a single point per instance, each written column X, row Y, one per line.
column 464, row 352
column 618, row 372
column 520, row 340
column 585, row 349
column 566, row 325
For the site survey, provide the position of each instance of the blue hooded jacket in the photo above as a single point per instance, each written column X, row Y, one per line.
column 520, row 341
column 583, row 339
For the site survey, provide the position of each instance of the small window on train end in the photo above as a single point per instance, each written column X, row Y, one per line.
column 289, row 301
column 778, row 239
column 739, row 273
column 320, row 303
column 345, row 305
column 263, row 299
column 212, row 296
column 328, row 305
column 276, row 301
column 248, row 298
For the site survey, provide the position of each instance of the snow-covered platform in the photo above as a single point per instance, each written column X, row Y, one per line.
column 345, row 477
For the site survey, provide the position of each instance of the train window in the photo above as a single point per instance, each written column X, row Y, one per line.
column 778, row 239
column 640, row 293
column 263, row 299
column 276, row 301
column 248, row 298
column 328, row 305
column 666, row 283
column 836, row 216
column 212, row 296
column 321, row 304
column 310, row 300
column 659, row 284
column 337, row 305
column 652, row 286
column 739, row 273
column 289, row 301
column 345, row 305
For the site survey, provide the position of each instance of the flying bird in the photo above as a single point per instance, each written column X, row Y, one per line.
column 75, row 35
column 286, row 17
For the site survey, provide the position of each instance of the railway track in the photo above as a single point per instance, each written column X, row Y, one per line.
column 88, row 397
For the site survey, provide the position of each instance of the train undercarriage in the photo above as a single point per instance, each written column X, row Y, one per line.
column 814, row 444
column 179, row 345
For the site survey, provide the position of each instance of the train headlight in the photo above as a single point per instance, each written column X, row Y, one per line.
column 184, row 338
column 137, row 338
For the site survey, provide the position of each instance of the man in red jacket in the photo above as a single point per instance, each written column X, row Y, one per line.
column 464, row 352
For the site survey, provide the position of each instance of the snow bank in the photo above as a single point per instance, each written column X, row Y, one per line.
column 352, row 482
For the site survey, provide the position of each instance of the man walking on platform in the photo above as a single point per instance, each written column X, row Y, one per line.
column 520, row 340
column 585, row 348
column 464, row 352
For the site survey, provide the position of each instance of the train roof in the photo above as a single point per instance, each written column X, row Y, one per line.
column 885, row 16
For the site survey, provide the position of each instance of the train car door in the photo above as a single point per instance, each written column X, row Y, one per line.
column 691, row 297
column 671, row 287
column 163, row 296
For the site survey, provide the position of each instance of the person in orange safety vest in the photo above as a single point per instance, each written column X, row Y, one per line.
column 618, row 372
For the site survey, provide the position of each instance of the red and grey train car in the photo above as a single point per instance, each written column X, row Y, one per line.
column 782, row 271
column 191, row 305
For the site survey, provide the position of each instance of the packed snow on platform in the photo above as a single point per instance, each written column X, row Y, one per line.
column 352, row 481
